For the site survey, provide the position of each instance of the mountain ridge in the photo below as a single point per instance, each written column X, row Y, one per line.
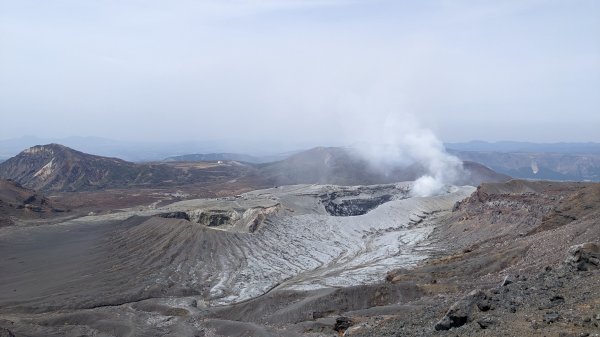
column 345, row 166
column 59, row 168
column 55, row 167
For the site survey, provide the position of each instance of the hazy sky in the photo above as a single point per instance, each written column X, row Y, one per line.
column 300, row 71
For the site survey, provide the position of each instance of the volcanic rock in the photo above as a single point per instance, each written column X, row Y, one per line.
column 585, row 256
column 174, row 215
column 460, row 312
column 342, row 324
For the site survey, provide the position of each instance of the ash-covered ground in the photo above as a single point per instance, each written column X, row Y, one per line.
column 314, row 260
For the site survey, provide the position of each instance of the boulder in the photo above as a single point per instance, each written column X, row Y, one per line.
column 460, row 312
column 584, row 257
column 342, row 324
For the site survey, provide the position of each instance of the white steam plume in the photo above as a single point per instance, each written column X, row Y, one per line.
column 399, row 141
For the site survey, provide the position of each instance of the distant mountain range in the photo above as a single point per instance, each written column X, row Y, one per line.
column 215, row 157
column 557, row 161
column 526, row 147
column 145, row 151
column 545, row 166
column 200, row 157
column 56, row 167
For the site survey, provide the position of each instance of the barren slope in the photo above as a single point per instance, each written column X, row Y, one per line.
column 219, row 251
column 19, row 203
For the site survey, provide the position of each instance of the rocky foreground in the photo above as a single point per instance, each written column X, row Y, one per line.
column 525, row 262
column 508, row 259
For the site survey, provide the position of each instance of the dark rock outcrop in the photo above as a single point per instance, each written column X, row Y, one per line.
column 353, row 207
column 359, row 200
column 215, row 218
column 174, row 215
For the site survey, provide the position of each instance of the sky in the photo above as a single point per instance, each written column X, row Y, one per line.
column 300, row 72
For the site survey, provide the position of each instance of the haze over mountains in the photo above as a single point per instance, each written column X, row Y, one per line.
column 55, row 167
column 142, row 151
column 259, row 152
column 557, row 161
column 554, row 161
column 230, row 156
column 524, row 147
column 548, row 166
